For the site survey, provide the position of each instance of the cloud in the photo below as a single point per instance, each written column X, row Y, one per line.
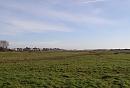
column 53, row 14
column 90, row 1
column 17, row 23
column 19, row 26
column 73, row 1
column 37, row 26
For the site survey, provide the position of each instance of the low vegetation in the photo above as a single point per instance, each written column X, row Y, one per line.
column 64, row 70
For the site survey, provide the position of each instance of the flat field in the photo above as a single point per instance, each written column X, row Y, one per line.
column 64, row 70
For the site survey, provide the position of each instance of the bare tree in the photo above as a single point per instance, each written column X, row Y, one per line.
column 4, row 44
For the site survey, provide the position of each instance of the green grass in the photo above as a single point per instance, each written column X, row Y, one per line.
column 64, row 70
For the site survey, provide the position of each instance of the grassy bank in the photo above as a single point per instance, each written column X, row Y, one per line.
column 64, row 70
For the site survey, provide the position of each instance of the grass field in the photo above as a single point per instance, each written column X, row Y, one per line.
column 64, row 70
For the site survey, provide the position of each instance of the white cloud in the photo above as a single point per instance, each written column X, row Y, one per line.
column 18, row 24
column 90, row 1
column 78, row 18
column 14, row 26
column 51, row 13
column 37, row 26
column 73, row 1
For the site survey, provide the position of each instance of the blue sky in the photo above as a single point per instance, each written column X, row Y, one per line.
column 69, row 24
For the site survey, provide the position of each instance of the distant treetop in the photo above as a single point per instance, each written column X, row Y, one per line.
column 4, row 44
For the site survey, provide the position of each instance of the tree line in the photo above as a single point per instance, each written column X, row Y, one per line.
column 4, row 47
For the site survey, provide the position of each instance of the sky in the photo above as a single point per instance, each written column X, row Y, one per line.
column 68, row 24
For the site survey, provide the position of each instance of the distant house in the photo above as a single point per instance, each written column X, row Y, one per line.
column 19, row 49
column 36, row 49
column 45, row 49
column 27, row 49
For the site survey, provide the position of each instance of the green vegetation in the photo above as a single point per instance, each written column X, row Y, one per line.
column 64, row 70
